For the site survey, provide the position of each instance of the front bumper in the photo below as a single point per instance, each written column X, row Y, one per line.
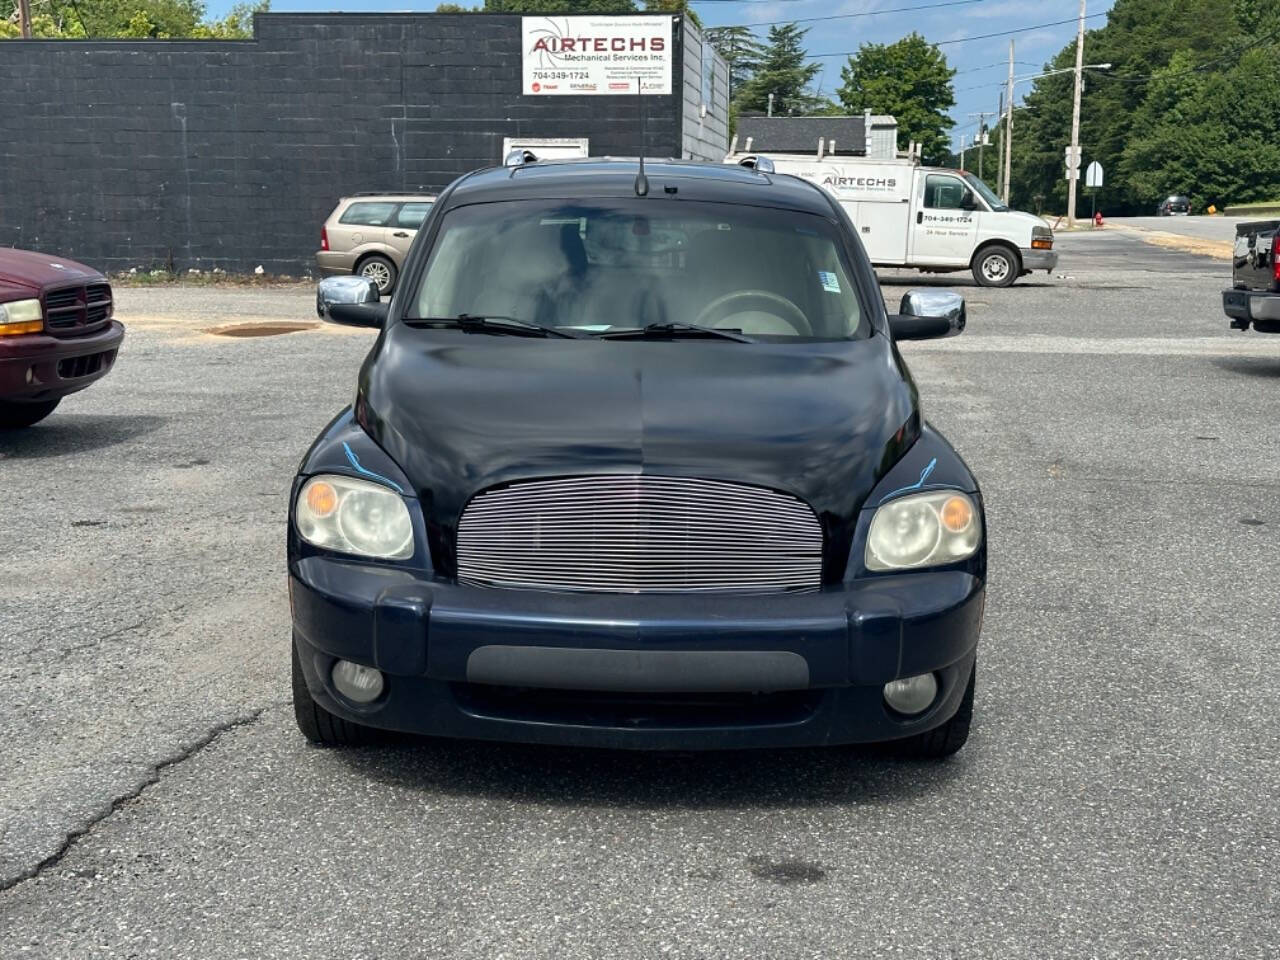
column 1038, row 259
column 655, row 671
column 36, row 366
column 1247, row 306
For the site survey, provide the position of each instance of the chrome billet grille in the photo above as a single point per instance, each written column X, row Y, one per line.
column 634, row 534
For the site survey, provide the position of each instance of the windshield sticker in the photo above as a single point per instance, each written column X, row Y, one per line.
column 830, row 282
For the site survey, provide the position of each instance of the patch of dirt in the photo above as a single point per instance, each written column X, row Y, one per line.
column 264, row 328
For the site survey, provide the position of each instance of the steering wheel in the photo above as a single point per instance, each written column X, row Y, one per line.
column 775, row 306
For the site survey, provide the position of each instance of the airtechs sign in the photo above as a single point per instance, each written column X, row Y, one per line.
column 597, row 56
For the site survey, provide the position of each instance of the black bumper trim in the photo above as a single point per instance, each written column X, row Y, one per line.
column 638, row 671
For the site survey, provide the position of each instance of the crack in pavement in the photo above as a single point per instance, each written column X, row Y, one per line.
column 151, row 779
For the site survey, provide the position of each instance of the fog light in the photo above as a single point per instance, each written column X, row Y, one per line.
column 358, row 684
column 912, row 694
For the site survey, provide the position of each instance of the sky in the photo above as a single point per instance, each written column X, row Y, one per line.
column 982, row 65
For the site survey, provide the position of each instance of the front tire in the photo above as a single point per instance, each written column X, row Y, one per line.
column 941, row 742
column 316, row 723
column 15, row 416
column 995, row 267
column 381, row 271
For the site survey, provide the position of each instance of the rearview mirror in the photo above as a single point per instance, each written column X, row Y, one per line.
column 968, row 202
column 928, row 314
column 350, row 300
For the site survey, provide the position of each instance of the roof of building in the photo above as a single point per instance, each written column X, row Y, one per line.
column 801, row 134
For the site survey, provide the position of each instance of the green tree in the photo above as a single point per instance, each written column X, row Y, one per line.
column 784, row 71
column 910, row 80
column 1119, row 107
column 1211, row 136
column 673, row 6
column 128, row 18
column 741, row 51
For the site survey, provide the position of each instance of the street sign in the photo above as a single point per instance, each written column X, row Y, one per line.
column 1072, row 156
column 1093, row 176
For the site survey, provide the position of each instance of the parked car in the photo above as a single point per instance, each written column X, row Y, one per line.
column 57, row 333
column 370, row 234
column 1254, row 297
column 1174, row 206
column 635, row 462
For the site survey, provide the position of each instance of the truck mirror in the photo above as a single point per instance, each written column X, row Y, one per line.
column 928, row 314
column 334, row 295
column 968, row 201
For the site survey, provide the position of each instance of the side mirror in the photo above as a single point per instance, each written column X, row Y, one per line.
column 928, row 314
column 968, row 201
column 352, row 300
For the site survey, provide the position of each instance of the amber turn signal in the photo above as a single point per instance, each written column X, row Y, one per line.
column 1041, row 243
column 23, row 326
column 322, row 499
column 957, row 515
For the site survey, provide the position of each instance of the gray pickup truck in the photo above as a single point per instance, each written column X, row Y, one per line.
column 1254, row 297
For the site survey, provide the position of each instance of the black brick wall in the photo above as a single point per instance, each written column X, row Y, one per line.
column 231, row 153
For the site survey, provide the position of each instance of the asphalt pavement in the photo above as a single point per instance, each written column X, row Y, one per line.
column 1221, row 229
column 1117, row 798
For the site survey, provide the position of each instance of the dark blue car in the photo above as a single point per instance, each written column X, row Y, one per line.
column 635, row 462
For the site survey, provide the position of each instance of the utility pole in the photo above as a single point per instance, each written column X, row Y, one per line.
column 771, row 104
column 982, row 127
column 1000, row 166
column 1008, row 127
column 962, row 151
column 24, row 18
column 1073, row 172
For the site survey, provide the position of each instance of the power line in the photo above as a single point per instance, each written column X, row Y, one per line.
column 849, row 16
column 984, row 36
column 1229, row 55
column 990, row 66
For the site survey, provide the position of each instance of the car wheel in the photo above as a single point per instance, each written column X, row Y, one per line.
column 943, row 741
column 316, row 723
column 995, row 267
column 14, row 416
column 381, row 271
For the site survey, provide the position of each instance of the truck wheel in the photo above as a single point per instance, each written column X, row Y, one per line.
column 995, row 267
column 381, row 271
column 14, row 416
column 316, row 723
column 943, row 741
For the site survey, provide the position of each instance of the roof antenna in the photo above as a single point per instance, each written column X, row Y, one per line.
column 642, row 182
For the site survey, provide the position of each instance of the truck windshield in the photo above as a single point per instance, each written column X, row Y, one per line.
column 987, row 194
column 601, row 266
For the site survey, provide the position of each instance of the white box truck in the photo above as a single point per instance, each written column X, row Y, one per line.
column 926, row 218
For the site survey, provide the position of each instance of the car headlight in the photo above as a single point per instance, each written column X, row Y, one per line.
column 354, row 516
column 21, row 316
column 924, row 529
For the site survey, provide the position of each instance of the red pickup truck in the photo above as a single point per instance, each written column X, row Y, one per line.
column 57, row 334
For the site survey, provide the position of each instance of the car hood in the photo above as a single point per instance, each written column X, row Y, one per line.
column 36, row 271
column 463, row 412
column 1028, row 218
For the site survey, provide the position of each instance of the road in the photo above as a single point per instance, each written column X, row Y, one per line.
column 1117, row 798
column 1219, row 229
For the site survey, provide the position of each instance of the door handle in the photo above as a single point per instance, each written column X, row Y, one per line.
column 400, row 233
column 919, row 216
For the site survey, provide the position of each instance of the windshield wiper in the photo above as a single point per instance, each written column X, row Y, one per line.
column 676, row 329
column 494, row 323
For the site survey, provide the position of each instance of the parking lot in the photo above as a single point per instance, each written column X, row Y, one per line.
column 1117, row 798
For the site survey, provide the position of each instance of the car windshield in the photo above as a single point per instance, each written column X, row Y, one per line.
column 602, row 266
column 987, row 194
